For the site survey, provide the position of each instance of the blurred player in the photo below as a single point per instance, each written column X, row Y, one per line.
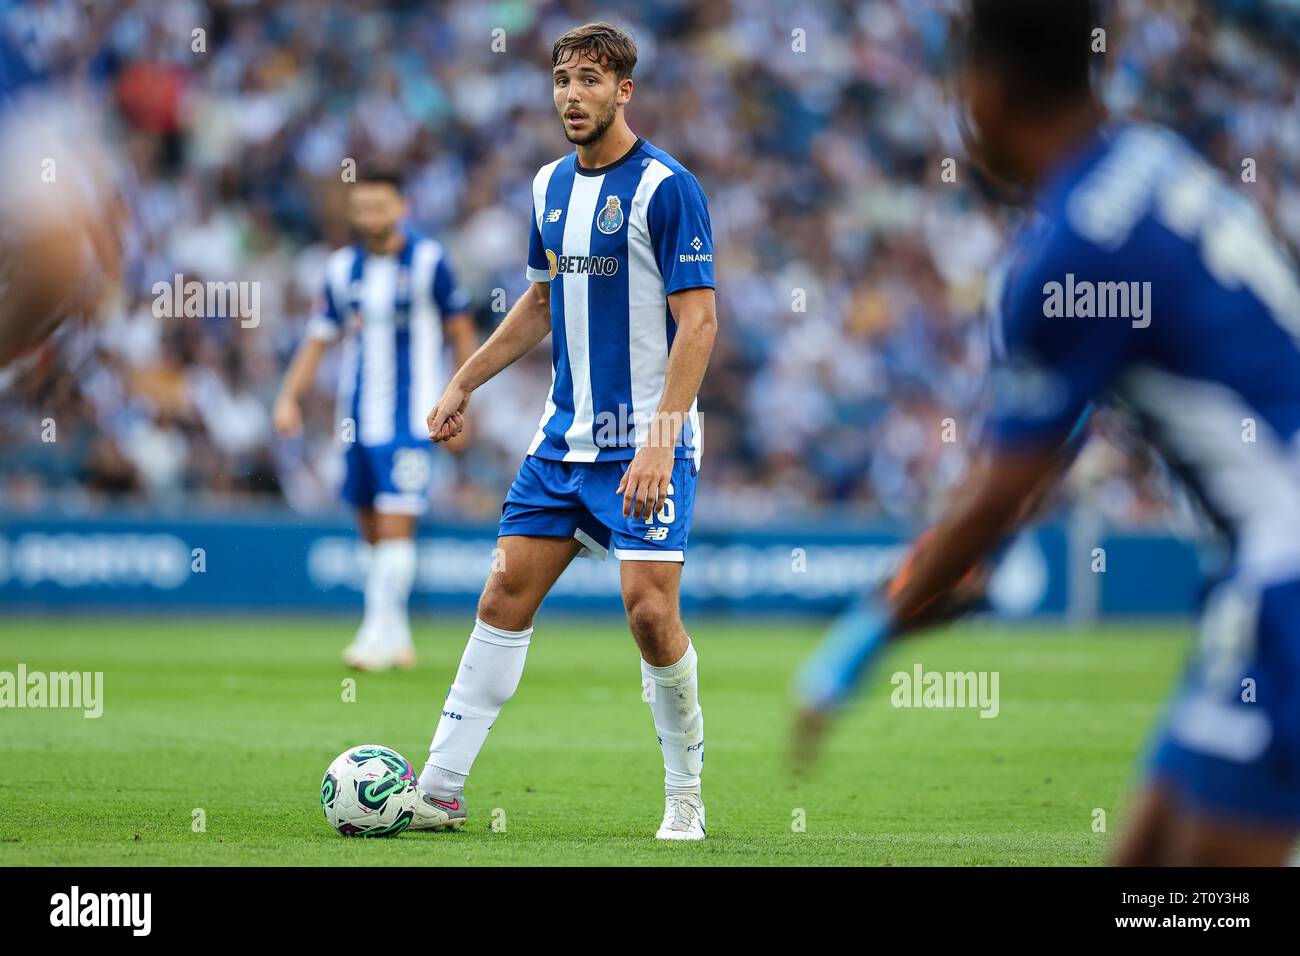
column 1195, row 313
column 621, row 261
column 393, row 298
column 59, row 210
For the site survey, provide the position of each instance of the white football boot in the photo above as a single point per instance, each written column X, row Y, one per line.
column 372, row 651
column 683, row 817
column 367, row 655
column 434, row 814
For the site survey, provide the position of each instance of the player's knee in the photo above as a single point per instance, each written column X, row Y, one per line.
column 649, row 613
column 506, row 602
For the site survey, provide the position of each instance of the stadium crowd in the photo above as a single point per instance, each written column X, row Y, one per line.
column 851, row 272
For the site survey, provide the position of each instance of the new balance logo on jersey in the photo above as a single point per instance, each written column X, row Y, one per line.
column 581, row 265
column 697, row 244
column 554, row 215
column 657, row 534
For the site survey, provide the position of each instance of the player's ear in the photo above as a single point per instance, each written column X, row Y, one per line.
column 624, row 91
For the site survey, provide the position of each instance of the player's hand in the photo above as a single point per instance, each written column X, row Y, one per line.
column 460, row 444
column 287, row 417
column 645, row 483
column 447, row 419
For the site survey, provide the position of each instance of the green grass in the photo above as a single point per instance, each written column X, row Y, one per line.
column 240, row 717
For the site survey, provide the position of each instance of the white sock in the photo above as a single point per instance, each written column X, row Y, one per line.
column 488, row 675
column 368, row 632
column 674, row 696
column 388, row 588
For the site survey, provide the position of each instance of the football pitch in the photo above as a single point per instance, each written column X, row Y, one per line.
column 216, row 731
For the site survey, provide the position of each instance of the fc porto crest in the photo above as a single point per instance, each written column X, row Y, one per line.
column 610, row 219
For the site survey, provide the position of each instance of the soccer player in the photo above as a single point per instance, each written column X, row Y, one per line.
column 621, row 265
column 1183, row 308
column 393, row 299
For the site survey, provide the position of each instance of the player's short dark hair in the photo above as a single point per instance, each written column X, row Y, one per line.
column 605, row 43
column 1044, row 47
column 380, row 173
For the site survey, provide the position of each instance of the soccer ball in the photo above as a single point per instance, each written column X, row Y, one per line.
column 369, row 791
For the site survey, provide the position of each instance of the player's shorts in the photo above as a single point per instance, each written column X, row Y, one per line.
column 391, row 479
column 579, row 500
column 1230, row 742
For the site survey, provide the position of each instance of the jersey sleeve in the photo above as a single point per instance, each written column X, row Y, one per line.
column 448, row 295
column 539, row 270
column 1047, row 366
column 327, row 322
column 681, row 234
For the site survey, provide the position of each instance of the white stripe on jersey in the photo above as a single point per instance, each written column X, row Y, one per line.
column 377, row 409
column 697, row 432
column 646, row 306
column 577, row 242
column 1252, row 484
column 426, row 338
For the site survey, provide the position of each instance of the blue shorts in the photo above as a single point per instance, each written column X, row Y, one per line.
column 1230, row 742
column 579, row 500
column 391, row 479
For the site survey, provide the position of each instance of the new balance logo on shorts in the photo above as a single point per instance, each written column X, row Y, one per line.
column 657, row 534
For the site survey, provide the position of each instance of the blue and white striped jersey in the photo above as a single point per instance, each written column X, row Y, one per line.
column 391, row 309
column 1143, row 278
column 613, row 243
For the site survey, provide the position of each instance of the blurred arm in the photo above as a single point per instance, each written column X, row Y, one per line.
column 459, row 331
column 1002, row 492
column 297, row 380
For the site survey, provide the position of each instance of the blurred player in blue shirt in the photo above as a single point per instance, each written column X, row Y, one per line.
column 1139, row 277
column 392, row 300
